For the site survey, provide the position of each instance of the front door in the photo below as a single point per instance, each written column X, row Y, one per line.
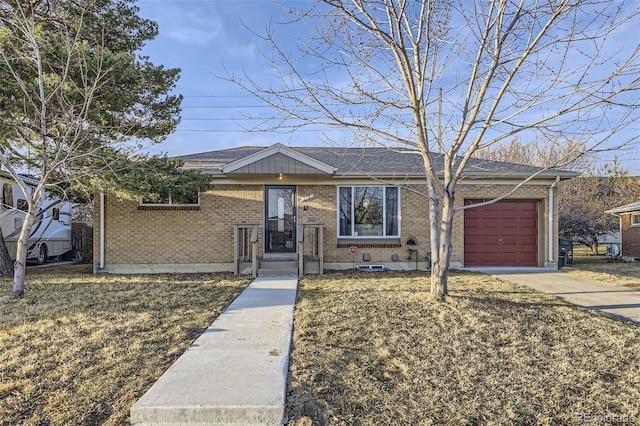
column 280, row 219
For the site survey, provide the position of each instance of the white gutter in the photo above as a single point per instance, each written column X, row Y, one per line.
column 101, row 264
column 551, row 213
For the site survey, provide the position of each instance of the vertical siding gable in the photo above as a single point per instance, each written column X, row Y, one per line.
column 278, row 163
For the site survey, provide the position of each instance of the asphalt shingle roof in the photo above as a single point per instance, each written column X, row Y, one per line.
column 369, row 161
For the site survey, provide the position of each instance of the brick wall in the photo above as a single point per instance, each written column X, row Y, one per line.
column 414, row 222
column 630, row 237
column 205, row 236
column 202, row 236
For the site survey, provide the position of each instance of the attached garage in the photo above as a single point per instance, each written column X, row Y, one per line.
column 504, row 233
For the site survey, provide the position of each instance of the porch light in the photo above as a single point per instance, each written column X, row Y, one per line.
column 279, row 176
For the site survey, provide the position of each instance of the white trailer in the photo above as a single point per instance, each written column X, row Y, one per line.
column 51, row 231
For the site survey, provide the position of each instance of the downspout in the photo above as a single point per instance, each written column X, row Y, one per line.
column 101, row 264
column 620, row 235
column 551, row 213
column 619, row 230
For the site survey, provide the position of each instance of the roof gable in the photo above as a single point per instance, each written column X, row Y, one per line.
column 278, row 163
column 278, row 159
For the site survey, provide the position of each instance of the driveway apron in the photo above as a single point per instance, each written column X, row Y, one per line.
column 621, row 302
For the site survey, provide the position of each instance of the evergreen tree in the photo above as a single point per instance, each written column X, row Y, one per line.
column 76, row 98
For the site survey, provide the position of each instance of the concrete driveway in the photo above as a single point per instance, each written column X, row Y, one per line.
column 621, row 302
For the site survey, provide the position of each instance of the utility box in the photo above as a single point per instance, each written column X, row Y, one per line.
column 565, row 255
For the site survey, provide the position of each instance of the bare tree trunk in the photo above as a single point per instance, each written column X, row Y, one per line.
column 19, row 275
column 443, row 248
column 6, row 264
column 595, row 247
column 438, row 285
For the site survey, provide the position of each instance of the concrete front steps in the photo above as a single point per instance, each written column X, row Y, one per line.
column 235, row 373
column 278, row 265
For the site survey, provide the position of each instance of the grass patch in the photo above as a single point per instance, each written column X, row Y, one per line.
column 606, row 269
column 82, row 348
column 373, row 349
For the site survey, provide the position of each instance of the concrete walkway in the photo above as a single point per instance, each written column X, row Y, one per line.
column 621, row 302
column 236, row 372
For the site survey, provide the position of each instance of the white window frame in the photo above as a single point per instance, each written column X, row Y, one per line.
column 636, row 216
column 384, row 212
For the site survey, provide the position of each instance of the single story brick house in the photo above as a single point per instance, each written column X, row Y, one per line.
column 327, row 208
column 629, row 215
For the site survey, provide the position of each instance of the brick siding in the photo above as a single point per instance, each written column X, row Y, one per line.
column 134, row 236
column 205, row 236
column 630, row 237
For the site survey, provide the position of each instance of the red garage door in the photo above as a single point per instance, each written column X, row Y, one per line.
column 501, row 234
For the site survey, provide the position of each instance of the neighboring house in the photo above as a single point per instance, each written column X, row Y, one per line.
column 629, row 215
column 314, row 206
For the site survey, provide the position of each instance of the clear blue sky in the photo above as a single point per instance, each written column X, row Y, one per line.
column 202, row 38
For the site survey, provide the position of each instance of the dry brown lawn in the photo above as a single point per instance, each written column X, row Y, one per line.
column 80, row 349
column 604, row 268
column 373, row 349
column 368, row 349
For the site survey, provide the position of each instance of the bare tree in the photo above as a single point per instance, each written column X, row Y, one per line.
column 584, row 200
column 499, row 68
column 569, row 154
column 74, row 94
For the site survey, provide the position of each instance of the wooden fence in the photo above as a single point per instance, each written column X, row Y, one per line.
column 82, row 241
